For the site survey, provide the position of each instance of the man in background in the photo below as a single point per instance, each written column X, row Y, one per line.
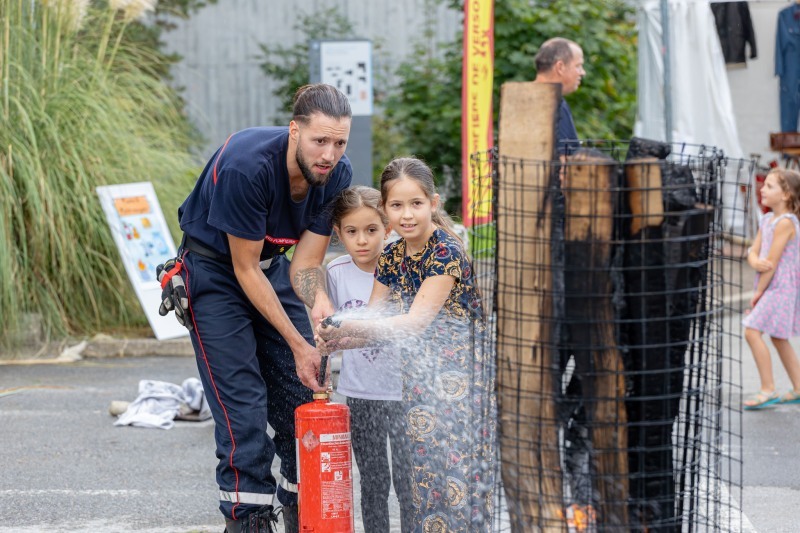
column 560, row 61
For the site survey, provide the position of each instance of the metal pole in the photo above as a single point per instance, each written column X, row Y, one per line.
column 666, row 55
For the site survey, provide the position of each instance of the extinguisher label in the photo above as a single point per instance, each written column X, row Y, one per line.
column 335, row 437
column 335, row 474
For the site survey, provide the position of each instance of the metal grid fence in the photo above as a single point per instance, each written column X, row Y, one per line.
column 609, row 277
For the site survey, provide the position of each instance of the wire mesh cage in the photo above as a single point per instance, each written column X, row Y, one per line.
column 609, row 275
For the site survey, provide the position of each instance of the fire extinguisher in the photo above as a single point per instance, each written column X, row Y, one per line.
column 324, row 464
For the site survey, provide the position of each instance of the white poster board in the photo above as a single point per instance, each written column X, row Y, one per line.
column 143, row 240
column 347, row 65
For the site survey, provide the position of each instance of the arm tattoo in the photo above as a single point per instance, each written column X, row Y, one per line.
column 307, row 283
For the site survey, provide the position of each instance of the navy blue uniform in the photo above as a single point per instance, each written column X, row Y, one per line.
column 566, row 134
column 247, row 368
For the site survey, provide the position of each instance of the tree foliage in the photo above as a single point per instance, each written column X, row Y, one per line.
column 425, row 110
column 148, row 36
column 605, row 104
column 288, row 65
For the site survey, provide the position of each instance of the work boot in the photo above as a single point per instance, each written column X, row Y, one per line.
column 262, row 521
column 291, row 520
column 233, row 526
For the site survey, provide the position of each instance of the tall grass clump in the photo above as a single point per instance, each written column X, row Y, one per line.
column 79, row 107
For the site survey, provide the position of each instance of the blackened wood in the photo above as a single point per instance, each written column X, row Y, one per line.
column 688, row 249
column 664, row 272
column 525, row 376
column 639, row 148
column 589, row 190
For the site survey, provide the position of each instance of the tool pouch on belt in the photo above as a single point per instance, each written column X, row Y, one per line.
column 173, row 292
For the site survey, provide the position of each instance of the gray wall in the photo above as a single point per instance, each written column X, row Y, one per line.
column 755, row 89
column 224, row 87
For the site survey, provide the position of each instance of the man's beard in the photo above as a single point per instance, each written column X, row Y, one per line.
column 311, row 178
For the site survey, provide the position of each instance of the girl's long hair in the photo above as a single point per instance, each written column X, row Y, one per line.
column 789, row 180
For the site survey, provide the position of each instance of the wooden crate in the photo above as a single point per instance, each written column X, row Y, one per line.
column 782, row 142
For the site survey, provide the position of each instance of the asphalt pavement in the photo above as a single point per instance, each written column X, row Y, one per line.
column 67, row 468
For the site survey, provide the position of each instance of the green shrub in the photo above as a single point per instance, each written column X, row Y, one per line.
column 79, row 107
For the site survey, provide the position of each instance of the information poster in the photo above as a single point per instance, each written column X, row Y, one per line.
column 347, row 65
column 143, row 240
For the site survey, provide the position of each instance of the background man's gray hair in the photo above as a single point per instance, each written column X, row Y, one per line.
column 552, row 51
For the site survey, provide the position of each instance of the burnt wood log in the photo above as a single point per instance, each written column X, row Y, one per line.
column 649, row 365
column 589, row 190
column 664, row 270
column 526, row 384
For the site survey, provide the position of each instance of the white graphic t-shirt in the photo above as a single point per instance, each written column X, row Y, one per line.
column 367, row 373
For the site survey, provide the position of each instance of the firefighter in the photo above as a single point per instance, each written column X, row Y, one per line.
column 264, row 191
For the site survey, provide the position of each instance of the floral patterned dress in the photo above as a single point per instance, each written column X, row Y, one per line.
column 777, row 313
column 448, row 391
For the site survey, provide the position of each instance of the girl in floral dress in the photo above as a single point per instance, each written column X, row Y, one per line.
column 775, row 255
column 424, row 280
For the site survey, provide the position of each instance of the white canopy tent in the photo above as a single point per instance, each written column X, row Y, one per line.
column 701, row 109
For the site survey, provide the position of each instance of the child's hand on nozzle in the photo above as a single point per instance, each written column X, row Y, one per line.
column 322, row 346
column 330, row 321
column 327, row 328
column 763, row 265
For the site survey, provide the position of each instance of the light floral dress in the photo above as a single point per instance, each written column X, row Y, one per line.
column 777, row 313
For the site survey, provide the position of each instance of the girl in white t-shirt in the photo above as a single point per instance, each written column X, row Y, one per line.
column 369, row 377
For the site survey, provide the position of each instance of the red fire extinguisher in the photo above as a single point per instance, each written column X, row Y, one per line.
column 324, row 464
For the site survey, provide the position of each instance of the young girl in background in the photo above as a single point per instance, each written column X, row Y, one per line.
column 369, row 377
column 775, row 255
column 425, row 279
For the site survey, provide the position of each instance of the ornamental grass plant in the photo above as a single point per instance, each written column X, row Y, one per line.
column 79, row 108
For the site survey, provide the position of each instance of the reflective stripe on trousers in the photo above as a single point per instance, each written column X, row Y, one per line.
column 255, row 498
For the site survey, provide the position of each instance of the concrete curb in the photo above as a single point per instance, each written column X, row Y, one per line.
column 102, row 346
column 98, row 347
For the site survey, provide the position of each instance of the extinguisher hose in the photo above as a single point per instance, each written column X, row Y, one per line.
column 323, row 364
column 328, row 321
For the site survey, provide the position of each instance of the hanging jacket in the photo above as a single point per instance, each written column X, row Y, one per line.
column 787, row 44
column 735, row 29
column 787, row 65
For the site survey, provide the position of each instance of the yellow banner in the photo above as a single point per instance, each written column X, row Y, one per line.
column 476, row 110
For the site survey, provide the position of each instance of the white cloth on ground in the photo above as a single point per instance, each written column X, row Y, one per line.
column 159, row 403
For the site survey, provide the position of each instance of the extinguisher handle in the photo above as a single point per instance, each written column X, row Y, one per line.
column 323, row 367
